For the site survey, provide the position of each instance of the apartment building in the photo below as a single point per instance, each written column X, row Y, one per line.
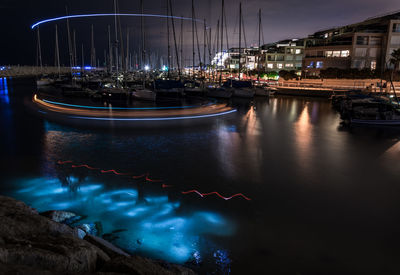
column 364, row 45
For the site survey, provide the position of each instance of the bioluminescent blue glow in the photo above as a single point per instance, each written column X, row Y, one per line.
column 118, row 108
column 156, row 118
column 150, row 224
column 110, row 14
column 4, row 90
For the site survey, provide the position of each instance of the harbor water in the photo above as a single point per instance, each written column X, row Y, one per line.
column 295, row 192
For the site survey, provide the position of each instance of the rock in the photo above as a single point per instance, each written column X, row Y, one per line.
column 58, row 216
column 139, row 265
column 92, row 228
column 33, row 244
column 111, row 250
column 80, row 233
column 40, row 243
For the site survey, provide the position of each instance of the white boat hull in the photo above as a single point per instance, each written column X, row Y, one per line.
column 144, row 95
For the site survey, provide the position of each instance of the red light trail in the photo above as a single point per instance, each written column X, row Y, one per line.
column 216, row 193
column 115, row 172
column 148, row 179
column 85, row 166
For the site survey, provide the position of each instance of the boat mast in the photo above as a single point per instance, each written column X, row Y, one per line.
column 222, row 37
column 57, row 54
column 193, row 51
column 143, row 37
column 110, row 55
column 74, row 47
column 39, row 50
column 174, row 34
column 181, row 46
column 205, row 46
column 92, row 51
column 240, row 38
column 127, row 62
column 83, row 58
column 169, row 46
column 116, row 38
column 259, row 45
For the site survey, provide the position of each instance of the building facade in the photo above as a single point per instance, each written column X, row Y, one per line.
column 365, row 45
column 283, row 55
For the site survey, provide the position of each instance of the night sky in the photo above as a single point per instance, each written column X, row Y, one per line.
column 281, row 19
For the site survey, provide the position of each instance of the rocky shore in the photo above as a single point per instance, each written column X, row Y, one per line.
column 33, row 243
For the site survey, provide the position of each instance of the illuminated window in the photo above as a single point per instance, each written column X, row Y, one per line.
column 270, row 65
column 298, row 51
column 320, row 65
column 362, row 40
column 336, row 54
column 280, row 65
column 361, row 52
column 326, row 35
column 375, row 41
column 373, row 52
column 396, row 27
column 359, row 64
column 328, row 53
column 345, row 53
column 280, row 58
column 373, row 65
column 289, row 65
column 311, row 65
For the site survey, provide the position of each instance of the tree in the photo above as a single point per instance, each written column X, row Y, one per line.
column 394, row 60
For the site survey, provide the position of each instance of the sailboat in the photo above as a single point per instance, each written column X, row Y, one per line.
column 241, row 88
column 219, row 91
column 142, row 93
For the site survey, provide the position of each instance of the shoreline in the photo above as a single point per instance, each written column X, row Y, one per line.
column 40, row 243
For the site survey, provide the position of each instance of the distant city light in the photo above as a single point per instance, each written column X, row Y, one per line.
column 147, row 67
column 164, row 68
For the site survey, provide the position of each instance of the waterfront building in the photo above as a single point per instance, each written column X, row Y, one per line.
column 364, row 45
column 283, row 55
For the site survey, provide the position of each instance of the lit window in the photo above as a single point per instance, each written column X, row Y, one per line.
column 396, row 27
column 328, row 53
column 311, row 65
column 298, row 51
column 326, row 35
column 270, row 65
column 345, row 53
column 289, row 65
column 375, row 40
column 336, row 54
column 320, row 65
column 361, row 52
column 280, row 65
column 373, row 65
column 362, row 40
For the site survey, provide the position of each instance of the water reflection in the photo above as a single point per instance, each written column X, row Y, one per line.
column 303, row 136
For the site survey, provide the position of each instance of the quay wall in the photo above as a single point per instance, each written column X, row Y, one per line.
column 341, row 84
column 30, row 71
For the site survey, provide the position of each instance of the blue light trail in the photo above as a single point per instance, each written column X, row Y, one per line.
column 155, row 119
column 110, row 14
column 119, row 108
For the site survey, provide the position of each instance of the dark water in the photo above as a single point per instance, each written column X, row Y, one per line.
column 324, row 199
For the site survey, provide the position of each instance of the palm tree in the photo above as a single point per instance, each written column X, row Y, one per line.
column 395, row 61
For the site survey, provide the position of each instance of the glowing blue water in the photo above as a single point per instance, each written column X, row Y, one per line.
column 153, row 225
